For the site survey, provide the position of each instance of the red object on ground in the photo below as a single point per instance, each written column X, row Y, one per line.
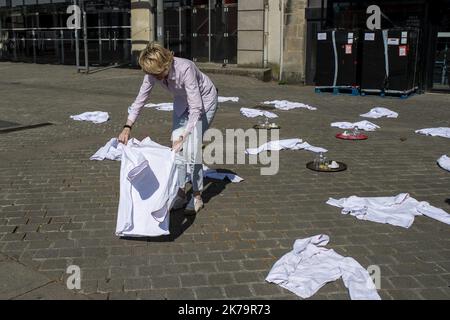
column 351, row 137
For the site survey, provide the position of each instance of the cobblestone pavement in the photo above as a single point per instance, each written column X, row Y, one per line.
column 57, row 208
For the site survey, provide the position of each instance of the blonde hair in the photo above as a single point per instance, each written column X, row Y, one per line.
column 155, row 59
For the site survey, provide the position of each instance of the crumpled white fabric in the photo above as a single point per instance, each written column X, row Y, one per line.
column 292, row 144
column 435, row 132
column 380, row 112
column 309, row 266
column 213, row 174
column 252, row 113
column 362, row 125
column 398, row 211
column 94, row 116
column 288, row 105
column 225, row 99
column 165, row 106
column 444, row 162
column 112, row 150
column 148, row 187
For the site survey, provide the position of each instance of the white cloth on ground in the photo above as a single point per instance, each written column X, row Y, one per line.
column 288, row 105
column 252, row 113
column 165, row 106
column 380, row 112
column 225, row 99
column 309, row 266
column 213, row 174
column 93, row 116
column 444, row 162
column 292, row 144
column 398, row 211
column 148, row 187
column 362, row 125
column 435, row 132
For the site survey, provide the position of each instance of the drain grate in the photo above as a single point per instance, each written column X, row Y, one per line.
column 6, row 126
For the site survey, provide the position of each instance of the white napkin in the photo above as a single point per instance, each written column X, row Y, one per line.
column 288, row 105
column 94, row 116
column 252, row 113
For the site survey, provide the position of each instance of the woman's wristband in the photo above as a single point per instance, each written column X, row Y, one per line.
column 127, row 126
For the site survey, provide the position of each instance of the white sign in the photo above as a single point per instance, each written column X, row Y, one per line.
column 402, row 51
column 374, row 21
column 350, row 41
column 405, row 34
column 404, row 41
column 350, row 35
column 321, row 36
column 369, row 37
column 393, row 41
column 348, row 49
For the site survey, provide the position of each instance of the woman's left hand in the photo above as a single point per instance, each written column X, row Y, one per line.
column 178, row 144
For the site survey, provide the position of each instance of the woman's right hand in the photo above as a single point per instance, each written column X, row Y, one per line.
column 124, row 135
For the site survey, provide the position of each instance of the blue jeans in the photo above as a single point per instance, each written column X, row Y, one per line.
column 192, row 148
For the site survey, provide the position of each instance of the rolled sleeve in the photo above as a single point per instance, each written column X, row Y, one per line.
column 194, row 99
column 144, row 92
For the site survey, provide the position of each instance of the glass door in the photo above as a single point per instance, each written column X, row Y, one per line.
column 200, row 31
column 442, row 62
column 224, row 31
column 177, row 26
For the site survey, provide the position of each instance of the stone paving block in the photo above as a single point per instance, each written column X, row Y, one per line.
column 131, row 295
column 193, row 280
column 136, row 284
column 151, row 295
column 404, row 294
column 204, row 267
column 238, row 291
column 220, row 279
column 166, row 282
column 207, row 293
column 404, row 282
column 265, row 289
column 180, row 294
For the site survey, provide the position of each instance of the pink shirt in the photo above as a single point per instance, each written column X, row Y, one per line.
column 192, row 90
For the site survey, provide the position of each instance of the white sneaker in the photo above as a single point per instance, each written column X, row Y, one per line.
column 194, row 205
column 179, row 203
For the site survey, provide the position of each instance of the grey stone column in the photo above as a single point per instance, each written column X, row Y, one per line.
column 142, row 26
column 294, row 41
column 251, row 33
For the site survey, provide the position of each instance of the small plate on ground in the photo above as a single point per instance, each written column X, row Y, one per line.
column 351, row 137
column 342, row 167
